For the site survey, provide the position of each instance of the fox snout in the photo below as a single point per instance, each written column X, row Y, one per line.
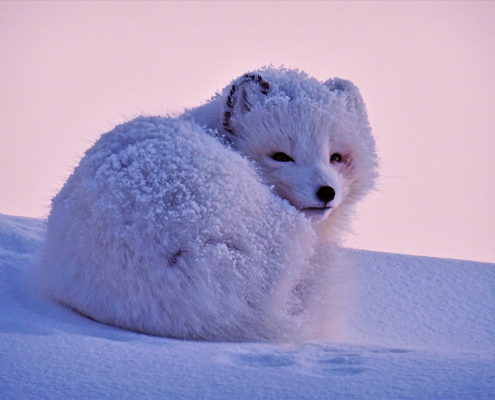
column 326, row 193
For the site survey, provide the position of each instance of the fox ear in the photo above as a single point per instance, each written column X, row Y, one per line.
column 352, row 97
column 244, row 94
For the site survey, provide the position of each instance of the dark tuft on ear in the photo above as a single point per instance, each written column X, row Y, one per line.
column 264, row 85
column 233, row 95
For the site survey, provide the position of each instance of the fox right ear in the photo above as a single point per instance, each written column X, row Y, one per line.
column 243, row 95
column 351, row 95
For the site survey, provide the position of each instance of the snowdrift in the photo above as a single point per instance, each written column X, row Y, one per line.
column 422, row 328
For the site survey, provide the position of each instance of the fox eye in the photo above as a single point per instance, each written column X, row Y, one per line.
column 335, row 158
column 282, row 157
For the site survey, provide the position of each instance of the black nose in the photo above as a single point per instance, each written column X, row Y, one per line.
column 326, row 193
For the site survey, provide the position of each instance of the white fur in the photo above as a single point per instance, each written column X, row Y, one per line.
column 165, row 229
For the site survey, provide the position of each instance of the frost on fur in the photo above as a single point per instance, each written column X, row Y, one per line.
column 166, row 229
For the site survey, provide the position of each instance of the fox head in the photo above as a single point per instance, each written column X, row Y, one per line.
column 310, row 141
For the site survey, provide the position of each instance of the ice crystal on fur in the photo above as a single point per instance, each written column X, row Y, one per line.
column 165, row 229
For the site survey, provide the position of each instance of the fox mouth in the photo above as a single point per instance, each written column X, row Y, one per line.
column 316, row 211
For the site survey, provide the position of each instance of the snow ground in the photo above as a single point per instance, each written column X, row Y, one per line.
column 423, row 328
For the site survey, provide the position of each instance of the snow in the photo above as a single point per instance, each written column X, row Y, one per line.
column 422, row 328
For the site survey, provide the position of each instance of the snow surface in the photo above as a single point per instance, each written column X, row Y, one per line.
column 423, row 328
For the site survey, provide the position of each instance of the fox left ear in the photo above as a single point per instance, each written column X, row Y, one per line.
column 353, row 100
column 244, row 94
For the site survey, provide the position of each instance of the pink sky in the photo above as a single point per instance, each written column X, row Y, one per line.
column 72, row 70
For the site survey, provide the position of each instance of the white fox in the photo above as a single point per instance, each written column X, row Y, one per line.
column 223, row 223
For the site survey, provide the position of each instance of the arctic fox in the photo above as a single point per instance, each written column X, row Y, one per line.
column 221, row 224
